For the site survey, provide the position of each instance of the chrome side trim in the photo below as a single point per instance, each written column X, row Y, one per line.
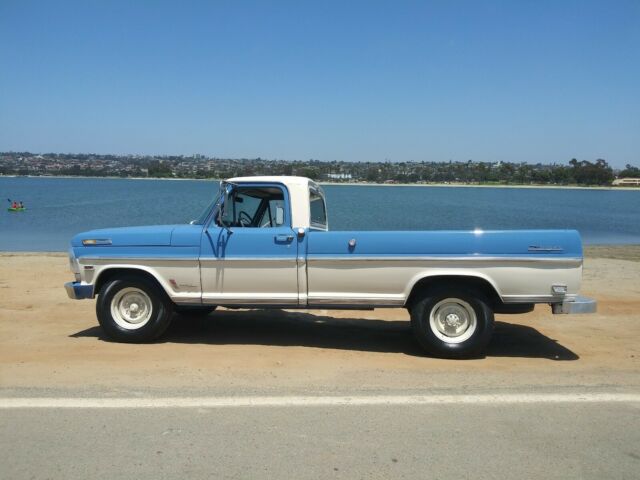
column 98, row 258
column 537, row 248
column 291, row 259
column 342, row 258
column 364, row 301
column 534, row 298
column 577, row 261
column 189, row 299
column 254, row 300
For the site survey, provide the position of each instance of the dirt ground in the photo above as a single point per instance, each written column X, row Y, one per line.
column 48, row 341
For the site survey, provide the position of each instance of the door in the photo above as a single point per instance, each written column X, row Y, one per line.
column 249, row 252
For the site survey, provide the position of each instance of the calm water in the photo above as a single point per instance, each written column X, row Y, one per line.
column 58, row 208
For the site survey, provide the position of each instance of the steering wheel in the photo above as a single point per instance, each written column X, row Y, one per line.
column 244, row 219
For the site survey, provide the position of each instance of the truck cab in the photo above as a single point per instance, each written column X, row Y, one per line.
column 254, row 245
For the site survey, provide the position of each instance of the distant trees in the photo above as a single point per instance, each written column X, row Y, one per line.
column 575, row 172
column 630, row 172
column 587, row 173
column 310, row 172
column 159, row 169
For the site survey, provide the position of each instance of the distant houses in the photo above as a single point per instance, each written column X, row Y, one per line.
column 581, row 173
column 626, row 182
column 339, row 176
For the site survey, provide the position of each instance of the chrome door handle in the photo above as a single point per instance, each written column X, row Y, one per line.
column 284, row 238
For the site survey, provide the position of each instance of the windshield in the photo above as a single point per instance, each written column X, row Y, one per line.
column 205, row 213
column 202, row 218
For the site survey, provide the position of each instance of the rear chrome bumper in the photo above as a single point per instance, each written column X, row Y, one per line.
column 78, row 291
column 575, row 305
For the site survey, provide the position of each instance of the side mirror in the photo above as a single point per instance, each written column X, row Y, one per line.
column 279, row 216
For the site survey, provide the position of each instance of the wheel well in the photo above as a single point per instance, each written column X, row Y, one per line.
column 477, row 284
column 113, row 273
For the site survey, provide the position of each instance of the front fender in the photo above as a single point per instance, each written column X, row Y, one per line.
column 179, row 278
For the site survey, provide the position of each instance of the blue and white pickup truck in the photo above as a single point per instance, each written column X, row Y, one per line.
column 265, row 243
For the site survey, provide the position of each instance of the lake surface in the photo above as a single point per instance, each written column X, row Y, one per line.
column 58, row 208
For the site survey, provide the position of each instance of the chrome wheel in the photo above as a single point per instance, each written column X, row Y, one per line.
column 452, row 320
column 131, row 308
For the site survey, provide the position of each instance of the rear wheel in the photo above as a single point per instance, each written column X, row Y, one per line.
column 452, row 323
column 133, row 309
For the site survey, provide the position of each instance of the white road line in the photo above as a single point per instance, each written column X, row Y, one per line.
column 311, row 401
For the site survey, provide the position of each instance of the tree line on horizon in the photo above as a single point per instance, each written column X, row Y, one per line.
column 575, row 172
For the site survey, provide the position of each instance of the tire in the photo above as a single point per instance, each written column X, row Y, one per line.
column 452, row 323
column 197, row 311
column 133, row 309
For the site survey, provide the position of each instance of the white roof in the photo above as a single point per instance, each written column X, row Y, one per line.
column 285, row 179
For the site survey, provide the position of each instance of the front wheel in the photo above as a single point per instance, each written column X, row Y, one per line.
column 133, row 309
column 452, row 323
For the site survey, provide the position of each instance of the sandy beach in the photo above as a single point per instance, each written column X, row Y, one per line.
column 49, row 341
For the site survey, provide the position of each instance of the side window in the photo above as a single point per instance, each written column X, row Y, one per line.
column 317, row 210
column 246, row 208
column 255, row 207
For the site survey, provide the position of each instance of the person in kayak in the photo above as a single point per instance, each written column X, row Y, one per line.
column 14, row 205
column 21, row 205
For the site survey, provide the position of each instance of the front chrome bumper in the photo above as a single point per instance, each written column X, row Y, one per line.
column 78, row 291
column 575, row 305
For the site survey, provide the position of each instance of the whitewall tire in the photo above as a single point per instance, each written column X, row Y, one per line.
column 133, row 309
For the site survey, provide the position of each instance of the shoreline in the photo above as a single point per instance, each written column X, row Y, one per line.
column 480, row 185
column 354, row 184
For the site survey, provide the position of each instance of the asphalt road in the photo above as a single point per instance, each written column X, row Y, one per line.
column 553, row 436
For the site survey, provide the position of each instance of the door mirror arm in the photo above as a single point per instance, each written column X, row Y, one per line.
column 221, row 222
column 225, row 190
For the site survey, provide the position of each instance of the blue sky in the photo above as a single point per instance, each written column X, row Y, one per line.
column 360, row 81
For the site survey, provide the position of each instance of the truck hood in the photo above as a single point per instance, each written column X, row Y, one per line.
column 159, row 235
